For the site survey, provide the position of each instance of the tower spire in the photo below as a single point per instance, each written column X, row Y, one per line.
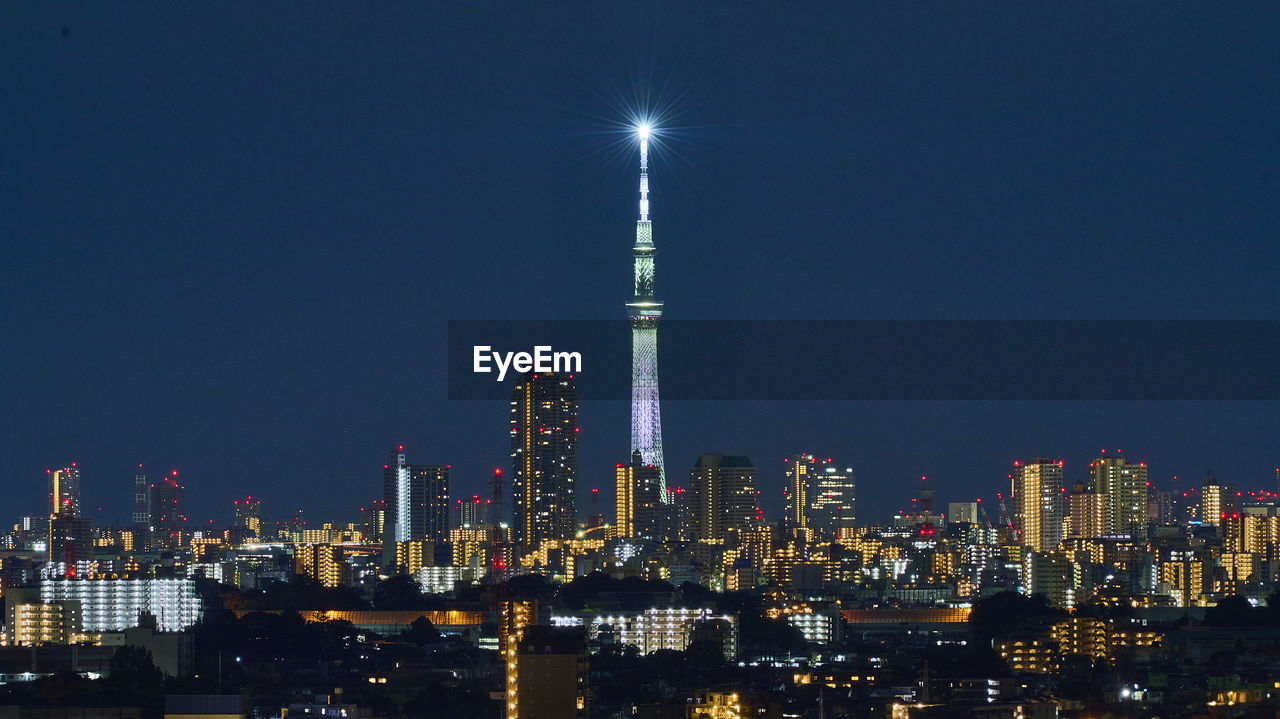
column 643, row 132
column 645, row 310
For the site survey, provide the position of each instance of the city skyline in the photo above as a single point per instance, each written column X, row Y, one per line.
column 266, row 348
column 772, row 484
column 968, row 330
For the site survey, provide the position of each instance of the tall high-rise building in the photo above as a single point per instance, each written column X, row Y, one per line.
column 1054, row 575
column 472, row 511
column 373, row 517
column 645, row 310
column 962, row 512
column 819, row 495
column 70, row 541
column 800, row 470
column 1124, row 489
column 725, row 498
column 1211, row 500
column 141, row 504
column 544, row 458
column 64, row 491
column 1086, row 513
column 395, row 492
column 168, row 507
column 1038, row 492
column 640, row 508
column 434, row 481
column 832, row 500
column 249, row 515
column 323, row 563
column 679, row 515
column 416, row 500
column 513, row 619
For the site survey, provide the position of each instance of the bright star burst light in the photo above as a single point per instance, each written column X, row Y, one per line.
column 620, row 117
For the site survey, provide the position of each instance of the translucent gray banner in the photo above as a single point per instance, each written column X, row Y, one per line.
column 877, row 360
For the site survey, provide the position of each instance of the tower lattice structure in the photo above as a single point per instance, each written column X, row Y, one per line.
column 645, row 310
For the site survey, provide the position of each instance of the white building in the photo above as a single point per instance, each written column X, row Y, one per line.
column 441, row 580
column 654, row 629
column 820, row 627
column 114, row 604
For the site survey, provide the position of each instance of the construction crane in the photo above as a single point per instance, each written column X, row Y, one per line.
column 984, row 520
column 1004, row 513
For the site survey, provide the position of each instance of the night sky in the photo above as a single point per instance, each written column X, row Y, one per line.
column 233, row 233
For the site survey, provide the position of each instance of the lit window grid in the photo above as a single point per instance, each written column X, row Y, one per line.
column 655, row 629
column 114, row 604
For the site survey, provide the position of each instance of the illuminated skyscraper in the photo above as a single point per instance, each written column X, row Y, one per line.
column 1211, row 500
column 472, row 512
column 70, row 541
column 395, row 492
column 323, row 563
column 64, row 491
column 168, row 505
column 800, row 470
column 249, row 515
column 1123, row 487
column 141, row 507
column 645, row 310
column 544, row 456
column 417, row 503
column 1086, row 513
column 640, row 508
column 434, row 483
column 725, row 498
column 513, row 619
column 1038, row 492
column 832, row 500
column 819, row 495
column 372, row 521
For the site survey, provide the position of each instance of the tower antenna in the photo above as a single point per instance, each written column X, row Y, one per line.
column 645, row 310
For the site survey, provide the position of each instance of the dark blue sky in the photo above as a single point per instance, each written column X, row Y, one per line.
column 233, row 235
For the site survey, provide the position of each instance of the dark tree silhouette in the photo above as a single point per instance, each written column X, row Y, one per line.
column 1233, row 611
column 530, row 586
column 420, row 632
column 1005, row 613
column 399, row 592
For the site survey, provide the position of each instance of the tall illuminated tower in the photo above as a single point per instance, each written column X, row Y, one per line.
column 416, row 498
column 639, row 505
column 544, row 458
column 64, row 491
column 796, row 491
column 141, row 504
column 645, row 311
column 1038, row 492
column 1124, row 489
column 168, row 510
